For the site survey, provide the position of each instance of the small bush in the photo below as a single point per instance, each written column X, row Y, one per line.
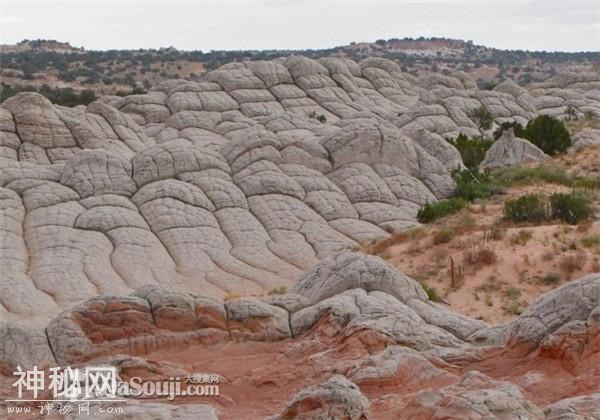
column 433, row 211
column 552, row 278
column 417, row 233
column 549, row 134
column 482, row 117
column 480, row 256
column 569, row 208
column 464, row 223
column 443, row 236
column 473, row 184
column 432, row 293
column 522, row 237
column 527, row 208
column 486, row 256
column 517, row 129
column 472, row 150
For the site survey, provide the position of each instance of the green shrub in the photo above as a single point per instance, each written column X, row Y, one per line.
column 470, row 185
column 473, row 184
column 443, row 236
column 433, row 211
column 472, row 150
column 549, row 134
column 569, row 207
column 517, row 129
column 527, row 208
column 432, row 293
column 482, row 117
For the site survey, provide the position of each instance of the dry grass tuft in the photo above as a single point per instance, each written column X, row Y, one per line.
column 480, row 256
column 521, row 237
column 443, row 236
column 396, row 238
column 572, row 262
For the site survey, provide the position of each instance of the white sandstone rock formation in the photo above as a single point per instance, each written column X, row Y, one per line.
column 509, row 150
column 230, row 185
column 588, row 137
column 360, row 334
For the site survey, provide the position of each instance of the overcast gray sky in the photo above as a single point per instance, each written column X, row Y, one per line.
column 567, row 25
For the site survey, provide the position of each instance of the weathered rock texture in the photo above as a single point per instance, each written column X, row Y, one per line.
column 362, row 338
column 588, row 137
column 125, row 224
column 509, row 150
column 338, row 398
column 232, row 185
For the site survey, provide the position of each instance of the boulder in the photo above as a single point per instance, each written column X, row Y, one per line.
column 509, row 150
column 335, row 398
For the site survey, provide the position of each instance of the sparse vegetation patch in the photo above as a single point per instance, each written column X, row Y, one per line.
column 433, row 211
column 570, row 208
column 528, row 208
column 443, row 236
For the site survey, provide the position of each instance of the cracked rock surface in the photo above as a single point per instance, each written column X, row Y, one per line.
column 362, row 345
column 231, row 185
column 213, row 219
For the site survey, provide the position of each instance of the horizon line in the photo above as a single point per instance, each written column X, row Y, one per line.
column 432, row 38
